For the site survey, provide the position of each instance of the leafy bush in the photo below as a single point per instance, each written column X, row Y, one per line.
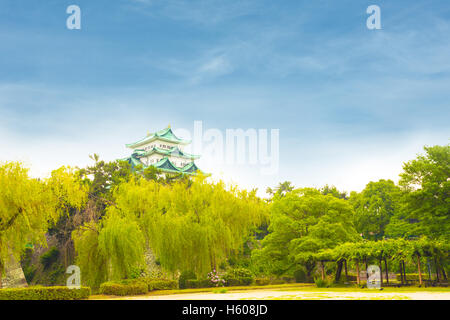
column 124, row 288
column 49, row 257
column 185, row 275
column 238, row 277
column 244, row 281
column 203, row 283
column 412, row 276
column 29, row 272
column 215, row 278
column 45, row 293
column 277, row 281
column 321, row 283
column 300, row 276
column 262, row 281
column 161, row 284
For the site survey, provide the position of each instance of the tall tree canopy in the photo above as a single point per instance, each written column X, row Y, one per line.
column 189, row 225
column 426, row 201
column 374, row 207
column 302, row 223
column 27, row 206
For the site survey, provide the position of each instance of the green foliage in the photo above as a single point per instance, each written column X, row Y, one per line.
column 28, row 206
column 238, row 277
column 184, row 276
column 161, row 284
column 122, row 289
column 111, row 250
column 202, row 283
column 302, row 223
column 29, row 272
column 191, row 225
column 45, row 293
column 90, row 257
column 425, row 204
column 262, row 281
column 49, row 257
column 332, row 190
column 322, row 283
column 300, row 276
column 374, row 208
column 281, row 189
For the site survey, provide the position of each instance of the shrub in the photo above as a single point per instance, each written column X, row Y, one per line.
column 203, row 283
column 185, row 275
column 277, row 281
column 45, row 293
column 29, row 272
column 244, row 281
column 300, row 276
column 238, row 277
column 49, row 257
column 262, row 281
column 161, row 284
column 124, row 288
column 215, row 278
column 321, row 283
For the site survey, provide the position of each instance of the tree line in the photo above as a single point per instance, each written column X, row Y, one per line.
column 107, row 218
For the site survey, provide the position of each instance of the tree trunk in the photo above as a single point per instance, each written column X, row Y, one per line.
column 1, row 274
column 381, row 272
column 367, row 275
column 437, row 270
column 322, row 267
column 357, row 273
column 404, row 271
column 419, row 269
column 338, row 271
column 401, row 271
column 386, row 270
column 346, row 273
column 444, row 274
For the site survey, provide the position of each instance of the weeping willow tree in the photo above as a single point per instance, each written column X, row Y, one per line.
column 28, row 206
column 109, row 250
column 191, row 225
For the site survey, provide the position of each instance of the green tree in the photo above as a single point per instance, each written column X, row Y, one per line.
column 374, row 207
column 426, row 199
column 281, row 189
column 192, row 225
column 27, row 206
column 302, row 223
column 334, row 192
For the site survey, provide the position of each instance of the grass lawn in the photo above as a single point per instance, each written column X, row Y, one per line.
column 303, row 287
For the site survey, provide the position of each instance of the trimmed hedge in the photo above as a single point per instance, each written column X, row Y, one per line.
column 186, row 275
column 262, row 281
column 129, row 287
column 203, row 283
column 45, row 293
column 123, row 289
column 238, row 277
column 162, row 284
column 242, row 281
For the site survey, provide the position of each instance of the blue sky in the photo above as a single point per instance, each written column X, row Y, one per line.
column 351, row 104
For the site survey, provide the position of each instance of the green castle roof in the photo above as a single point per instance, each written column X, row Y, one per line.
column 165, row 165
column 175, row 151
column 164, row 135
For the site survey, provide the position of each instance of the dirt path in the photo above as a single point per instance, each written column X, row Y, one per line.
column 300, row 295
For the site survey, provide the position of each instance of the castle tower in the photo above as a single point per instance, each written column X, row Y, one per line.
column 164, row 151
